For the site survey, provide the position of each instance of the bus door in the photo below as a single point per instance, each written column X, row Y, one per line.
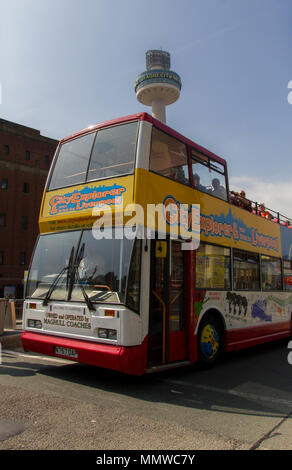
column 167, row 321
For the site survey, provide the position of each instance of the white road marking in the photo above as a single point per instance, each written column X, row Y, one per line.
column 40, row 358
column 246, row 395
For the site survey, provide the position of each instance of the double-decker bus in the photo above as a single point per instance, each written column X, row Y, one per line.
column 138, row 303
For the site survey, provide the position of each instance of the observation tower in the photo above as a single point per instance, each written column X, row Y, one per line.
column 158, row 86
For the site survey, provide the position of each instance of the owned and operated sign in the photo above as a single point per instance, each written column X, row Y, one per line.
column 67, row 320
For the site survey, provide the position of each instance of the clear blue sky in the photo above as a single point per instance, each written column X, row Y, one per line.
column 66, row 64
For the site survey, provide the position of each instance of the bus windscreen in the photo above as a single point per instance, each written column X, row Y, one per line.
column 99, row 268
column 109, row 152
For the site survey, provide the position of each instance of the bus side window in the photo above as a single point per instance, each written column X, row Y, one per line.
column 271, row 273
column 246, row 270
column 287, row 264
column 208, row 175
column 169, row 157
column 212, row 267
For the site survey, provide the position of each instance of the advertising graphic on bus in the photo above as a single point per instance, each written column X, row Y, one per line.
column 146, row 260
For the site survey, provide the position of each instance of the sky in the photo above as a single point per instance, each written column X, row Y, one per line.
column 68, row 64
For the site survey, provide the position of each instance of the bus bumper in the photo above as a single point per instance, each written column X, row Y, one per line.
column 130, row 360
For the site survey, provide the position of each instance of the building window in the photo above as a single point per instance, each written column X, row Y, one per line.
column 27, row 155
column 212, row 267
column 24, row 222
column 1, row 257
column 22, row 258
column 6, row 149
column 246, row 270
column 4, row 183
column 271, row 273
column 26, row 187
column 2, row 220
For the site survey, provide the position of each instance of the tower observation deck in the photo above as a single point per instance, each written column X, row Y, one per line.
column 158, row 86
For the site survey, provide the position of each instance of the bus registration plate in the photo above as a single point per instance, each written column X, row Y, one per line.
column 66, row 352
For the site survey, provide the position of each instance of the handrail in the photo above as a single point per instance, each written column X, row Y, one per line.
column 102, row 285
column 253, row 207
column 177, row 296
column 163, row 323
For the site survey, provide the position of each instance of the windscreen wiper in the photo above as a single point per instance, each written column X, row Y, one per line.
column 56, row 280
column 70, row 268
column 86, row 298
column 75, row 275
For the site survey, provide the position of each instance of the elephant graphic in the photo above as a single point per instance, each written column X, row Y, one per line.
column 237, row 303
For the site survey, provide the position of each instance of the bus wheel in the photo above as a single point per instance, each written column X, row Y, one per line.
column 210, row 340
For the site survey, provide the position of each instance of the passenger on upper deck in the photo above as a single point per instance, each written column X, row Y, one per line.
column 287, row 223
column 217, row 189
column 246, row 203
column 197, row 184
column 178, row 174
column 239, row 199
column 263, row 212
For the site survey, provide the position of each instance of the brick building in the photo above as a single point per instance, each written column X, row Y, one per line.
column 25, row 158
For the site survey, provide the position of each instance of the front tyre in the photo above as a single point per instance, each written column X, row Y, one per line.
column 210, row 340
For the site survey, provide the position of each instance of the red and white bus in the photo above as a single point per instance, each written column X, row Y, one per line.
column 139, row 304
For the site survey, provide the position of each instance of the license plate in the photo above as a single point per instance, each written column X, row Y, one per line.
column 66, row 352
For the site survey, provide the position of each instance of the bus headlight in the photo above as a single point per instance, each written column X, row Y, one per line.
column 34, row 324
column 102, row 333
column 105, row 333
column 112, row 334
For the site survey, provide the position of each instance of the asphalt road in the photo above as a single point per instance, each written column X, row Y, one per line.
column 244, row 402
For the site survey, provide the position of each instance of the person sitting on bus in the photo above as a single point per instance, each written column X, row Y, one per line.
column 178, row 174
column 244, row 203
column 286, row 223
column 263, row 212
column 197, row 184
column 91, row 268
column 233, row 198
column 239, row 199
column 217, row 189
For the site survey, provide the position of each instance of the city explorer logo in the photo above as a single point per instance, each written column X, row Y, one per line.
column 87, row 198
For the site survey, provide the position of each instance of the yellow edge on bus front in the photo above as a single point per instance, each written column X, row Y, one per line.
column 76, row 207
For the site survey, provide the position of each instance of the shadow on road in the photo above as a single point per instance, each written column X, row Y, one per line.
column 256, row 381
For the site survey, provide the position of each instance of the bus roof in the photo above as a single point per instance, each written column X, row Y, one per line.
column 156, row 123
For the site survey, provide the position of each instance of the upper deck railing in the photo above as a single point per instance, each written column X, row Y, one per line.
column 259, row 209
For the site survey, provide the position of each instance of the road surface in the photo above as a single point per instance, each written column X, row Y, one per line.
column 244, row 402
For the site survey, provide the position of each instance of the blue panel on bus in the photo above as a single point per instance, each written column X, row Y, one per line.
column 286, row 240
